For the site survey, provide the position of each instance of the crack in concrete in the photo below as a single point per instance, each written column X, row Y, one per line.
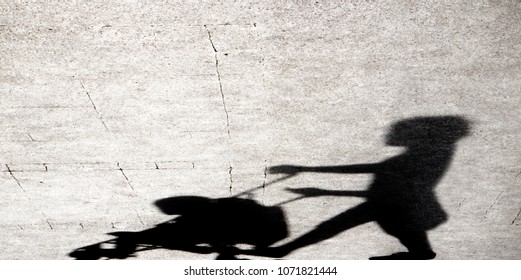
column 94, row 106
column 16, row 179
column 125, row 175
column 231, row 179
column 265, row 178
column 210, row 38
column 58, row 166
column 222, row 95
column 18, row 141
column 47, row 107
column 223, row 98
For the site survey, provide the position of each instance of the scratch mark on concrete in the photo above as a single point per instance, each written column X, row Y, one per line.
column 47, row 107
column 30, row 137
column 261, row 49
column 102, row 29
column 16, row 179
column 459, row 205
column 223, row 98
column 517, row 175
column 47, row 220
column 193, row 165
column 94, row 106
column 139, row 217
column 112, row 225
column 231, row 178
column 125, row 175
column 20, row 226
column 45, row 165
column 494, row 203
column 518, row 214
column 81, row 225
column 157, row 167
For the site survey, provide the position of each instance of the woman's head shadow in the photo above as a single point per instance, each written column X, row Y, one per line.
column 428, row 132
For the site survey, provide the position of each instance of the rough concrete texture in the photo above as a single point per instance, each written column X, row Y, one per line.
column 106, row 108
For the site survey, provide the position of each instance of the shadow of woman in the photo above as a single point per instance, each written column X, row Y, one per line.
column 401, row 197
column 203, row 225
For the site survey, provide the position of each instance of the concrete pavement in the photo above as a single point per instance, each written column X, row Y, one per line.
column 106, row 108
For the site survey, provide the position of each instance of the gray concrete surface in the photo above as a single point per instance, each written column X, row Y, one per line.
column 106, row 108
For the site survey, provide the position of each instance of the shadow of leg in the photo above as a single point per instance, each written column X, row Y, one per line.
column 353, row 217
column 416, row 242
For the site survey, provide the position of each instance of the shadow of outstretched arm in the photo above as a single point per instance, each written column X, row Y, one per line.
column 311, row 192
column 353, row 169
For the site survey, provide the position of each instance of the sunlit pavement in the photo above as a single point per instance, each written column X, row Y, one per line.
column 107, row 108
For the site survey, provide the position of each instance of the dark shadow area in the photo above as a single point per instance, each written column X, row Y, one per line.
column 203, row 225
column 401, row 198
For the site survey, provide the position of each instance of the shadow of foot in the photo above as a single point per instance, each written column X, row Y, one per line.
column 427, row 255
column 271, row 252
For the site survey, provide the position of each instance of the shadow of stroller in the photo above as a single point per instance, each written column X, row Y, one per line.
column 401, row 198
column 203, row 226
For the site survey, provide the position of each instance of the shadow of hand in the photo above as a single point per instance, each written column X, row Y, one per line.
column 309, row 192
column 285, row 169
